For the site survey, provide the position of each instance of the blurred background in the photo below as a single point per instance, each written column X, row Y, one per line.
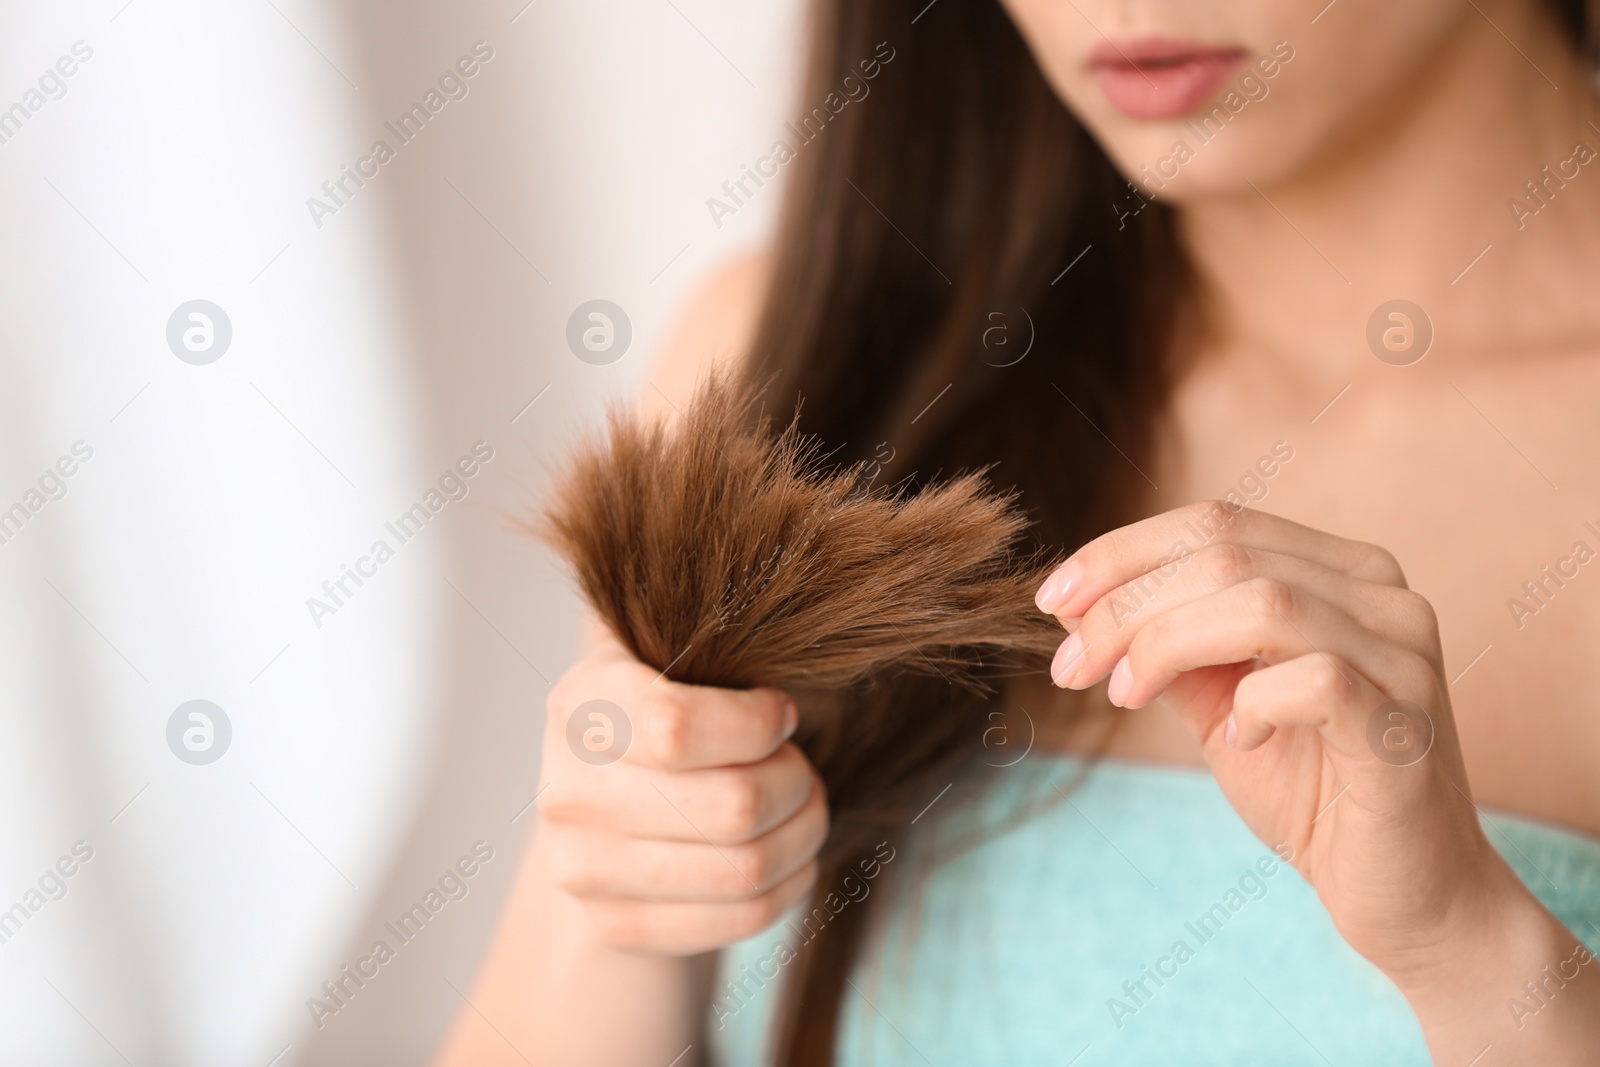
column 240, row 347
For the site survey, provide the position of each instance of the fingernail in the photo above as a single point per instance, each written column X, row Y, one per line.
column 1230, row 732
column 1059, row 587
column 791, row 719
column 1068, row 658
column 1121, row 682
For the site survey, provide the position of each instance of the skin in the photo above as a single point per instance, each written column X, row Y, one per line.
column 1378, row 167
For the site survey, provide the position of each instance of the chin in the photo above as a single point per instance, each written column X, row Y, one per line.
column 1175, row 167
column 1235, row 138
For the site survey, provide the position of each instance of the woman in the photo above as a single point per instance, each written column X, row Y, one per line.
column 1336, row 259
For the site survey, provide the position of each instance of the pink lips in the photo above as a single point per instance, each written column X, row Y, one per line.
column 1160, row 77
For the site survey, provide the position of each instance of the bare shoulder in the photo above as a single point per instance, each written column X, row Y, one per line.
column 713, row 329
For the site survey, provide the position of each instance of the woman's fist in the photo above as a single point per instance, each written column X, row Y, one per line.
column 696, row 825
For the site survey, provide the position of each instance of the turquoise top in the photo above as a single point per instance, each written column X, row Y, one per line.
column 1135, row 921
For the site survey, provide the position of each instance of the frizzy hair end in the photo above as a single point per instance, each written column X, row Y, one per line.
column 729, row 552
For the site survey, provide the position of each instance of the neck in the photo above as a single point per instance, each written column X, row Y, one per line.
column 1413, row 202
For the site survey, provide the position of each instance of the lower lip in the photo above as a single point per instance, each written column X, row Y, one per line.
column 1166, row 90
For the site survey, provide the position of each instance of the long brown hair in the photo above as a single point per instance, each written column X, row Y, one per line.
column 959, row 185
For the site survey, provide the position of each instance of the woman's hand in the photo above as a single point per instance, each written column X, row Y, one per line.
column 697, row 831
column 1314, row 682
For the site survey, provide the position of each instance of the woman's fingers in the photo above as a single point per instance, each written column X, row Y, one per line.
column 680, row 817
column 1158, row 545
column 609, row 865
column 1318, row 691
column 689, row 727
column 1110, row 624
column 624, row 706
column 673, row 928
column 659, row 759
column 1266, row 620
column 716, row 806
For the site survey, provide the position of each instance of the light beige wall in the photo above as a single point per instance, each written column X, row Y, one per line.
column 368, row 354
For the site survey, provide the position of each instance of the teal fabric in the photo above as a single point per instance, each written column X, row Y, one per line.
column 1016, row 950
